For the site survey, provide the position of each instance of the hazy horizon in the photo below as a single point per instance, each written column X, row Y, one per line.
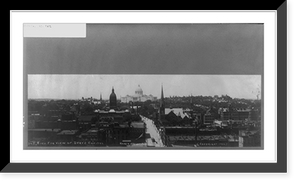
column 78, row 86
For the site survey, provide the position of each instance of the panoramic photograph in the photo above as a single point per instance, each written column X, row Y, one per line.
column 146, row 86
column 144, row 110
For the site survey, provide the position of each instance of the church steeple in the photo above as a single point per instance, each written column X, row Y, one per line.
column 162, row 104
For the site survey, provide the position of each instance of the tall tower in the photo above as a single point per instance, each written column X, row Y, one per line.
column 162, row 105
column 100, row 97
column 192, row 106
column 113, row 99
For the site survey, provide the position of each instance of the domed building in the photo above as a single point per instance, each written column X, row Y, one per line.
column 137, row 97
column 113, row 100
column 138, row 92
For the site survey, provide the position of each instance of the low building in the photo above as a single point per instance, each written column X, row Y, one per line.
column 249, row 138
column 208, row 118
column 68, row 117
column 67, row 135
column 137, row 131
column 90, row 135
column 68, row 125
column 238, row 114
column 46, row 124
column 42, row 134
column 204, row 141
column 176, row 117
column 85, row 122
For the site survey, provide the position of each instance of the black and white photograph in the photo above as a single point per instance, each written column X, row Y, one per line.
column 148, row 92
column 145, row 86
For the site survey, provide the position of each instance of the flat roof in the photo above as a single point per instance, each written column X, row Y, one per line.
column 67, row 132
column 44, row 130
column 138, row 124
column 92, row 130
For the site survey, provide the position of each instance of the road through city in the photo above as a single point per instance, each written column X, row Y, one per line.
column 152, row 130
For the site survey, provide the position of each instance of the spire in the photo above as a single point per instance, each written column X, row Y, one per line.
column 100, row 96
column 162, row 104
column 162, row 95
column 113, row 90
column 191, row 102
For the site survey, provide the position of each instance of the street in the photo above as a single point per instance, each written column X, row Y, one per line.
column 152, row 130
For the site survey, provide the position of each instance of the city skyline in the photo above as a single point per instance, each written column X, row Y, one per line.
column 78, row 86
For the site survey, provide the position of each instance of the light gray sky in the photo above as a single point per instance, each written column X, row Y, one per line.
column 77, row 86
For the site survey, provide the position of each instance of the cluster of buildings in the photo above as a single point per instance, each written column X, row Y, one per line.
column 101, row 127
column 228, row 127
column 111, row 125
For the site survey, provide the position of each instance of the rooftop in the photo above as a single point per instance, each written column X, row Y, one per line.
column 92, row 130
column 67, row 132
column 44, row 130
column 138, row 124
column 110, row 111
column 176, row 111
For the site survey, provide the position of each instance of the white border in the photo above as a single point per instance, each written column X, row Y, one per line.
column 175, row 156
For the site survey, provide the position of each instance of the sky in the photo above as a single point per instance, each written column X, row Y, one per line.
column 58, row 86
column 150, row 49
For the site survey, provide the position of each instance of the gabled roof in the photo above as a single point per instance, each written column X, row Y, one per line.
column 177, row 111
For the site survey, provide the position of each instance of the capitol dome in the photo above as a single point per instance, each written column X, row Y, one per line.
column 139, row 91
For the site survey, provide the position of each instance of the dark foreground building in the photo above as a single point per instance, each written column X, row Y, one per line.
column 109, row 126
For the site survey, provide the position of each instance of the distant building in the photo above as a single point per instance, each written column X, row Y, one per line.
column 238, row 114
column 137, row 97
column 254, row 115
column 224, row 113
